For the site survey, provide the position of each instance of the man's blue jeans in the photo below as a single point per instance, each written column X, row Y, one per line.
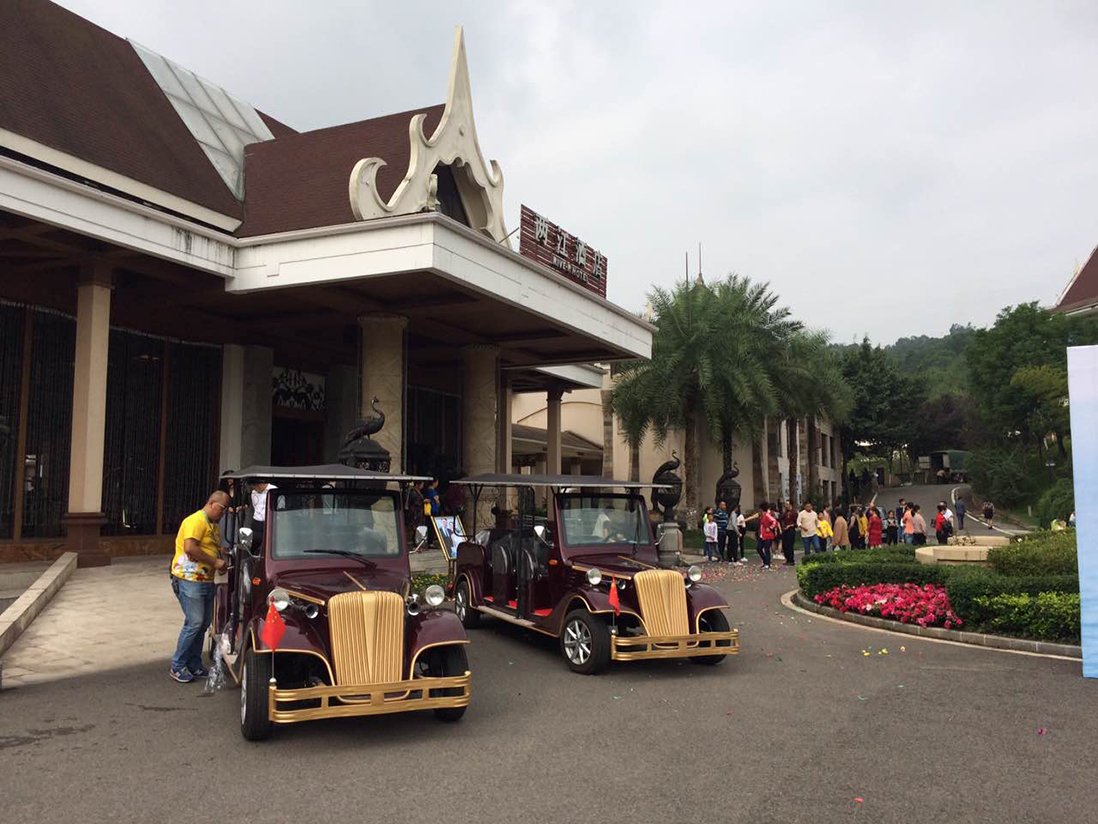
column 197, row 600
column 811, row 544
column 909, row 537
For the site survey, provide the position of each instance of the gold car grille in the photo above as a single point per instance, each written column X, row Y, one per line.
column 662, row 597
column 367, row 631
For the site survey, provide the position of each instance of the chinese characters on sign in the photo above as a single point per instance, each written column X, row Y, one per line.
column 550, row 245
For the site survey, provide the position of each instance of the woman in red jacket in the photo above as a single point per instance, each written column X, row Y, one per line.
column 876, row 528
column 942, row 526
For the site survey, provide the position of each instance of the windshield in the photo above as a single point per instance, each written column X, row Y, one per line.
column 351, row 521
column 602, row 519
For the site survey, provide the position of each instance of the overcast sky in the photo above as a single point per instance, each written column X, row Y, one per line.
column 890, row 168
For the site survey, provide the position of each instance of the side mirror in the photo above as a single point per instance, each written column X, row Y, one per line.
column 421, row 537
column 244, row 538
column 541, row 533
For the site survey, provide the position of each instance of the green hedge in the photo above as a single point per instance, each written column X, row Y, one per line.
column 1046, row 615
column 968, row 585
column 815, row 578
column 900, row 554
column 1043, row 553
column 980, row 595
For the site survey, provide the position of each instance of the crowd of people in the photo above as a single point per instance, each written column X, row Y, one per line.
column 869, row 526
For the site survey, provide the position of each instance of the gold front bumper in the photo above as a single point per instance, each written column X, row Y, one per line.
column 345, row 701
column 644, row 647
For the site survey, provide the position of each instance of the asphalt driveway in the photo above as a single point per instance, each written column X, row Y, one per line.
column 809, row 718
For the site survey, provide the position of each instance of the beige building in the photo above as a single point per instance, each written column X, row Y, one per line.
column 798, row 459
column 189, row 285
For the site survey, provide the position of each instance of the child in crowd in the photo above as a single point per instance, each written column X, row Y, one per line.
column 709, row 529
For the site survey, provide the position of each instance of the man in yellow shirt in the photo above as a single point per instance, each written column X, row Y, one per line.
column 197, row 557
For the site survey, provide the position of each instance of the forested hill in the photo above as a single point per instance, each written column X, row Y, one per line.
column 938, row 362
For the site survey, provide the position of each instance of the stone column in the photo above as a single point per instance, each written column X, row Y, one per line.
column 774, row 471
column 503, row 448
column 813, row 458
column 383, row 368
column 232, row 407
column 341, row 403
column 479, row 436
column 762, row 465
column 246, row 406
column 552, row 432
column 89, row 417
column 607, row 434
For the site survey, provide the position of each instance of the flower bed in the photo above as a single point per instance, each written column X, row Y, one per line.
column 1038, row 572
column 925, row 606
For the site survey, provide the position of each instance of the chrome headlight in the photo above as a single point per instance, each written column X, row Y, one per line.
column 434, row 595
column 694, row 573
column 279, row 599
column 594, row 577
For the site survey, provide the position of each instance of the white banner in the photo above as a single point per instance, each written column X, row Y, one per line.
column 1083, row 391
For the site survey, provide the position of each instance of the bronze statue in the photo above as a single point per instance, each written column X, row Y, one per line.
column 362, row 451
column 664, row 500
column 728, row 489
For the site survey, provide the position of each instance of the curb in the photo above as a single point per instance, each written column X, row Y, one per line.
column 19, row 615
column 976, row 639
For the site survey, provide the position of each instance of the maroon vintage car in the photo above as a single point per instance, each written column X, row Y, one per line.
column 589, row 576
column 347, row 636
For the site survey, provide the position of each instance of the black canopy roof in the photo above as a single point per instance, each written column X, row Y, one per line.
column 518, row 479
column 323, row 472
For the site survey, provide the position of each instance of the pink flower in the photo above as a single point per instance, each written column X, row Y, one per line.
column 925, row 605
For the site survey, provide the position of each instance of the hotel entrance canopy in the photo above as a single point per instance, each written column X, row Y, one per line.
column 189, row 285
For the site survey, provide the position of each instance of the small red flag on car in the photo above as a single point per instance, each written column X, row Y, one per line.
column 614, row 602
column 273, row 628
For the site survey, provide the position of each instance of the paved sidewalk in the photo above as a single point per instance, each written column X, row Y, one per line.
column 122, row 615
column 15, row 578
column 103, row 618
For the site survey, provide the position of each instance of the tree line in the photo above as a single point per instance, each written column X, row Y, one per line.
column 726, row 356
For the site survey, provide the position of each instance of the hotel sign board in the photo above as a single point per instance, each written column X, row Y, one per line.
column 550, row 245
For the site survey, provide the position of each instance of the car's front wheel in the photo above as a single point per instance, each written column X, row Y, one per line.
column 712, row 621
column 468, row 616
column 585, row 642
column 446, row 662
column 255, row 719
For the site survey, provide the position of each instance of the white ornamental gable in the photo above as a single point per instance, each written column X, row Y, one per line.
column 454, row 143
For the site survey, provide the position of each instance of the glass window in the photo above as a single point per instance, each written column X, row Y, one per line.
column 351, row 521
column 602, row 519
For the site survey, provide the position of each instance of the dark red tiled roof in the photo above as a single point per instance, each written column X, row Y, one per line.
column 77, row 88
column 1083, row 291
column 300, row 181
column 277, row 127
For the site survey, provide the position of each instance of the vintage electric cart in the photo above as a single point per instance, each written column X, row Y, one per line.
column 588, row 574
column 354, row 639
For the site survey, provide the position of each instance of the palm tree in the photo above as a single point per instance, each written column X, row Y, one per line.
column 669, row 391
column 726, row 356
